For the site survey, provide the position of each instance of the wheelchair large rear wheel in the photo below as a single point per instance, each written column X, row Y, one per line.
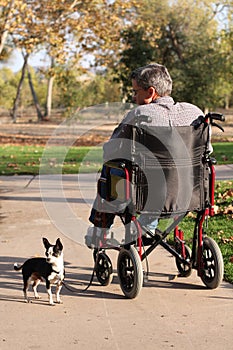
column 103, row 269
column 130, row 273
column 213, row 266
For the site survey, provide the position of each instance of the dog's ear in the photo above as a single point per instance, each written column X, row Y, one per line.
column 46, row 243
column 59, row 244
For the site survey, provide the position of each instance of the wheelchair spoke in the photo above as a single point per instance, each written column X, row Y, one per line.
column 212, row 264
column 103, row 269
column 130, row 273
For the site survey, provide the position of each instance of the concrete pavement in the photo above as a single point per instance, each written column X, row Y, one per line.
column 224, row 172
column 169, row 313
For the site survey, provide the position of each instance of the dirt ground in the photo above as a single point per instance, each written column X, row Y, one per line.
column 82, row 133
column 40, row 134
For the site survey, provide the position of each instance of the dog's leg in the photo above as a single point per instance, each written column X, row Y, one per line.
column 48, row 287
column 26, row 282
column 34, row 287
column 58, row 289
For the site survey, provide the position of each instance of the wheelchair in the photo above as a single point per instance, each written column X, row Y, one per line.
column 170, row 174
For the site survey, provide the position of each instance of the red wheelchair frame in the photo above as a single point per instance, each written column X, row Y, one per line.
column 205, row 255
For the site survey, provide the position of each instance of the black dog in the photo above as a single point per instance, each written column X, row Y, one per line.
column 50, row 268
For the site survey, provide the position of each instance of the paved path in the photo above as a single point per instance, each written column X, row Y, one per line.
column 224, row 172
column 169, row 313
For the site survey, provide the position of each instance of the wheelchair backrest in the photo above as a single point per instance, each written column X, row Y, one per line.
column 169, row 174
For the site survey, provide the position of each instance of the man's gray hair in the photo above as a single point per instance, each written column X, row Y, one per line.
column 154, row 75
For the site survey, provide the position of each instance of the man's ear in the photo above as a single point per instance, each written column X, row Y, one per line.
column 153, row 93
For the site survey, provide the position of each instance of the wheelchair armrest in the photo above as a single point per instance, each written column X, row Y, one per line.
column 117, row 164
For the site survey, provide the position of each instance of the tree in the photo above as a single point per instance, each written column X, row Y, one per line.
column 225, row 87
column 34, row 95
column 121, row 34
column 6, row 22
column 8, row 84
column 16, row 100
column 78, row 91
column 65, row 28
column 184, row 35
column 43, row 25
column 138, row 52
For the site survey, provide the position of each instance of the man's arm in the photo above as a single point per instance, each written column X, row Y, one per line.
column 118, row 147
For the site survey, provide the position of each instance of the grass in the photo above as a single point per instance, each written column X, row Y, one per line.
column 30, row 160
column 223, row 152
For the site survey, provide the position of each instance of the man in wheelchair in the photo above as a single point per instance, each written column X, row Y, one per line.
column 152, row 87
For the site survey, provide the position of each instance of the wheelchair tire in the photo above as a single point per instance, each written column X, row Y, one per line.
column 184, row 270
column 103, row 269
column 130, row 273
column 213, row 266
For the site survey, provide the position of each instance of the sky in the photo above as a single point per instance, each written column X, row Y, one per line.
column 15, row 62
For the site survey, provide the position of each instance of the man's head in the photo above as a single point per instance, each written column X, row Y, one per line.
column 150, row 82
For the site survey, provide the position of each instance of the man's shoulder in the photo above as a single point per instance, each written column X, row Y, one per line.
column 144, row 109
column 189, row 106
column 164, row 114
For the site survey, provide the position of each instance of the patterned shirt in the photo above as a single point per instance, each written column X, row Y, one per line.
column 162, row 112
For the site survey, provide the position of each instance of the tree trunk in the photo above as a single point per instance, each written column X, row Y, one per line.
column 16, row 101
column 35, row 99
column 3, row 40
column 49, row 93
column 4, row 31
column 227, row 102
column 49, row 98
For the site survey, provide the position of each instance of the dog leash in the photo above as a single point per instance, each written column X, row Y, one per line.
column 75, row 290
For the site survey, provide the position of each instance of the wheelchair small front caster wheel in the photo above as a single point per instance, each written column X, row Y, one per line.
column 103, row 269
column 130, row 273
column 185, row 270
column 213, row 266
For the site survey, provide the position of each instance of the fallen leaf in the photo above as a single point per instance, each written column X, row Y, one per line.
column 216, row 209
column 229, row 209
column 227, row 240
column 228, row 194
column 12, row 165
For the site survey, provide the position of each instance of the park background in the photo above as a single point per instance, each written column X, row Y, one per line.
column 58, row 58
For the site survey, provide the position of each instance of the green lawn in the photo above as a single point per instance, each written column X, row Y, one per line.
column 223, row 152
column 31, row 160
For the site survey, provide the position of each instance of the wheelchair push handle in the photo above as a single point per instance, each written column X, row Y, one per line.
column 215, row 116
column 211, row 117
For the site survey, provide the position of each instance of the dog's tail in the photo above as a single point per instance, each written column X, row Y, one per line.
column 17, row 268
